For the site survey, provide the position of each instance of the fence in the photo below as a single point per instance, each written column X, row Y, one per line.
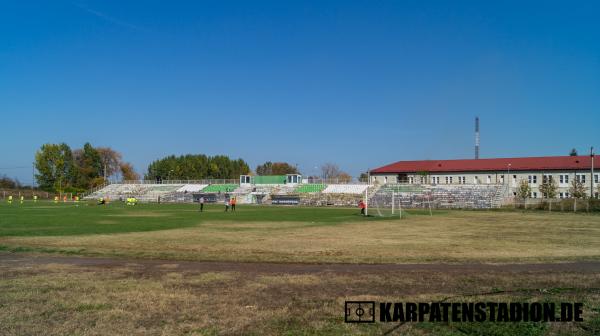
column 27, row 193
column 569, row 204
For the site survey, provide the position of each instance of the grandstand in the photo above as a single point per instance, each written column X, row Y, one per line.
column 220, row 188
column 439, row 196
column 264, row 189
column 310, row 188
column 354, row 189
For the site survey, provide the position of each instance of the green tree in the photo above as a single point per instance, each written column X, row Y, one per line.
column 196, row 167
column 523, row 190
column 573, row 152
column 55, row 167
column 577, row 189
column 90, row 169
column 548, row 188
column 276, row 168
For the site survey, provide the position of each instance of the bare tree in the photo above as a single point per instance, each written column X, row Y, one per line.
column 111, row 160
column 330, row 171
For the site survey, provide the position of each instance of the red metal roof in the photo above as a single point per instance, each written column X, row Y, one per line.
column 501, row 164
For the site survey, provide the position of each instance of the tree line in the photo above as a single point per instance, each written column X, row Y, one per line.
column 59, row 168
column 64, row 170
column 196, row 167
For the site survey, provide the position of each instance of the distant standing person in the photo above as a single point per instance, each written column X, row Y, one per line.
column 226, row 205
column 233, row 202
column 201, row 203
column 362, row 206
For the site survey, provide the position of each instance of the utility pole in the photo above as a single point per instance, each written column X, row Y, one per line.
column 592, row 174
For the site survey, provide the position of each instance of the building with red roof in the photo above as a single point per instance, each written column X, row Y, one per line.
column 560, row 169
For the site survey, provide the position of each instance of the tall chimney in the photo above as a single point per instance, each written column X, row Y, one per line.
column 476, row 137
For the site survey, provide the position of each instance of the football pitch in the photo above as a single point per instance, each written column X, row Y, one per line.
column 86, row 269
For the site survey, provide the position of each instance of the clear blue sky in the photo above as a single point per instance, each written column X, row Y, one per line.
column 360, row 84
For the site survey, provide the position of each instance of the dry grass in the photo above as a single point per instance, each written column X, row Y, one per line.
column 458, row 236
column 70, row 300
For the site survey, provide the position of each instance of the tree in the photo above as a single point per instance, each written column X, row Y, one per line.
column 89, row 167
column 127, row 172
column 111, row 160
column 523, row 190
column 330, row 171
column 577, row 189
column 277, row 168
column 55, row 167
column 363, row 177
column 265, row 169
column 344, row 177
column 573, row 152
column 548, row 188
column 196, row 167
column 8, row 183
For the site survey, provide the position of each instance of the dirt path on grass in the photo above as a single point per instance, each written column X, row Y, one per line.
column 149, row 266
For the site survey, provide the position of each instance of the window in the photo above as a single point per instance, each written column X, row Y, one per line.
column 596, row 178
column 411, row 180
column 563, row 179
column 534, row 194
column 580, row 178
column 566, row 195
column 447, row 180
column 422, row 179
column 385, row 179
column 546, row 178
column 560, row 195
column 435, row 180
column 532, row 179
column 489, row 179
column 475, row 180
column 502, row 179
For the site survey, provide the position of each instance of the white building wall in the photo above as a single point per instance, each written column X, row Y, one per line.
column 563, row 179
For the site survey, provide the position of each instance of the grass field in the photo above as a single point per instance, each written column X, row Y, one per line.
column 144, row 287
column 288, row 234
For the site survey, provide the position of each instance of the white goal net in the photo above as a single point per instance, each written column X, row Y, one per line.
column 393, row 200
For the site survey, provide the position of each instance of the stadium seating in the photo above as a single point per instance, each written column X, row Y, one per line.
column 317, row 194
column 269, row 179
column 192, row 187
column 345, row 189
column 143, row 192
column 220, row 188
column 439, row 196
column 310, row 188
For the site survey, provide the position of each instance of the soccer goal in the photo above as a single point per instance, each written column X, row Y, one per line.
column 384, row 204
column 393, row 200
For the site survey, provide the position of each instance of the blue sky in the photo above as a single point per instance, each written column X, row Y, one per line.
column 360, row 84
